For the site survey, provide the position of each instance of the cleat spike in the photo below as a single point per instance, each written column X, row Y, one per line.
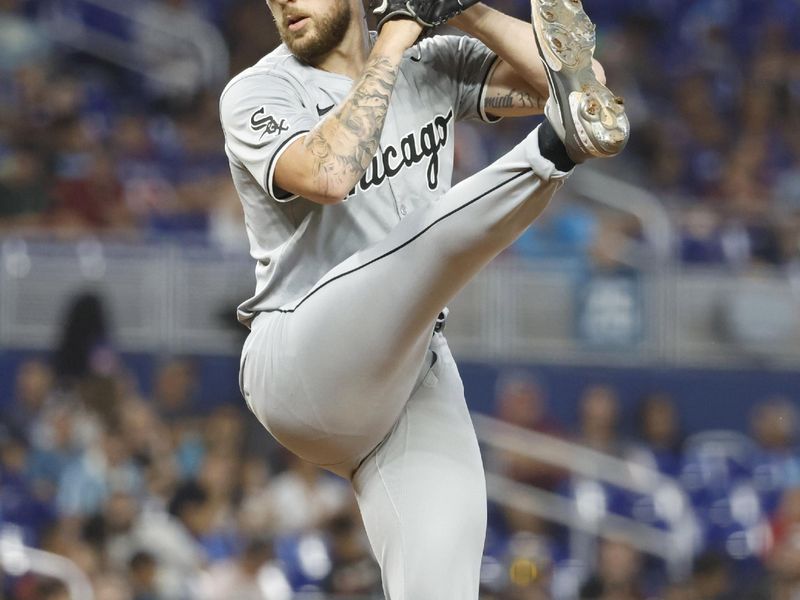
column 587, row 116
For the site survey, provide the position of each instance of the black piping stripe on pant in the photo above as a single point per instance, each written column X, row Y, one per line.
column 401, row 246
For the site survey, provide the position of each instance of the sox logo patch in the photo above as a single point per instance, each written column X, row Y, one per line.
column 267, row 124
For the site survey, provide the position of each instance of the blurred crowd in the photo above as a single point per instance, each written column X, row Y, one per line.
column 713, row 89
column 737, row 501
column 88, row 146
column 154, row 500
column 155, row 495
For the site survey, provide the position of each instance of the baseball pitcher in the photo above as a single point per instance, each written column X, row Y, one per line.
column 341, row 148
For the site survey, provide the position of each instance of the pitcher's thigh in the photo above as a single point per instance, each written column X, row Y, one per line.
column 332, row 417
column 423, row 496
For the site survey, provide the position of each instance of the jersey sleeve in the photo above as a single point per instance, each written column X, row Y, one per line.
column 261, row 116
column 467, row 65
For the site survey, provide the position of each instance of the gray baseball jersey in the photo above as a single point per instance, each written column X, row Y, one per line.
column 296, row 241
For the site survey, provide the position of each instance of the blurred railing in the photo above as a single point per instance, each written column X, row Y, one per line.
column 655, row 252
column 18, row 559
column 182, row 299
column 176, row 50
column 644, row 206
column 676, row 545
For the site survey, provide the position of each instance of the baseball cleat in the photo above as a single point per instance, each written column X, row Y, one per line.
column 586, row 115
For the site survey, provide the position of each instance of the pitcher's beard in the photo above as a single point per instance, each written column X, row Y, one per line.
column 328, row 32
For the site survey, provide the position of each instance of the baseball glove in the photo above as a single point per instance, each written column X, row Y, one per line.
column 428, row 13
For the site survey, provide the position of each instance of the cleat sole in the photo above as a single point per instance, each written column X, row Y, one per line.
column 593, row 117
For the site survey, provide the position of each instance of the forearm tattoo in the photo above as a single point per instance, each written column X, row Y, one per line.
column 343, row 144
column 519, row 99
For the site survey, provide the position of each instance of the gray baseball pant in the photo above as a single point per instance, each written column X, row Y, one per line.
column 351, row 378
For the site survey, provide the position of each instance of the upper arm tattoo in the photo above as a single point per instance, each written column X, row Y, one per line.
column 515, row 99
column 344, row 143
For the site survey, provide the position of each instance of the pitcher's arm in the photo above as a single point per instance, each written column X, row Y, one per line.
column 327, row 162
column 518, row 86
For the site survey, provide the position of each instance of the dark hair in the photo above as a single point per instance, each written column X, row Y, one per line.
column 85, row 328
column 341, row 525
column 188, row 494
column 50, row 588
column 709, row 563
column 258, row 548
column 646, row 403
column 141, row 559
column 592, row 588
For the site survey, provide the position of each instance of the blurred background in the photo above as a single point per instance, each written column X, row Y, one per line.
column 633, row 363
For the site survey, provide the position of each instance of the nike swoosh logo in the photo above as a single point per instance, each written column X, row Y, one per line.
column 417, row 58
column 324, row 111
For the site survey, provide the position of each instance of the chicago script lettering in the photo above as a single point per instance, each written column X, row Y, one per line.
column 413, row 149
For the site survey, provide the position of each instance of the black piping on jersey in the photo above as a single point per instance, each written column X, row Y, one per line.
column 481, row 93
column 481, row 111
column 270, row 174
column 400, row 247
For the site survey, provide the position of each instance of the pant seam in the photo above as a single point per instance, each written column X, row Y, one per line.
column 404, row 244
column 397, row 514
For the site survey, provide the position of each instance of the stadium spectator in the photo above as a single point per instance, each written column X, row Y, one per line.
column 219, row 477
column 52, row 590
column 774, row 427
column 18, row 500
column 598, row 421
column 659, row 430
column 238, row 577
column 353, row 570
column 701, row 236
column 173, row 538
column 84, row 347
column 617, row 574
column 782, row 580
column 24, row 194
column 87, row 481
column 33, row 390
column 301, row 498
column 711, row 578
column 520, row 401
column 176, row 72
column 89, row 198
column 142, row 570
column 108, row 531
column 55, row 444
column 175, row 390
column 22, row 41
column 776, row 466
